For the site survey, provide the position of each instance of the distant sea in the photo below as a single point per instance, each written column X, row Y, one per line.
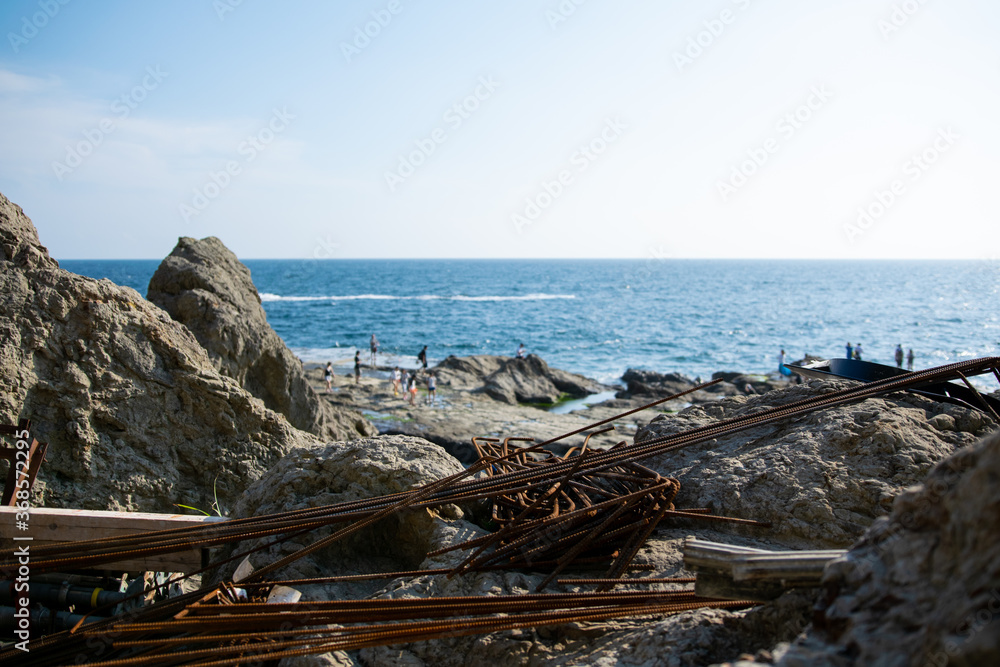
column 600, row 317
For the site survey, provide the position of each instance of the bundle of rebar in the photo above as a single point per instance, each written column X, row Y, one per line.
column 607, row 513
column 212, row 629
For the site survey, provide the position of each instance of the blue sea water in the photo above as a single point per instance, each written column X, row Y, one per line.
column 599, row 317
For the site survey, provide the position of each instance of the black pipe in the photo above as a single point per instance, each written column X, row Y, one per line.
column 61, row 596
column 43, row 621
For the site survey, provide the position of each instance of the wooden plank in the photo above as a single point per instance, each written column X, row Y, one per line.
column 49, row 525
column 720, row 586
column 793, row 566
column 702, row 554
column 733, row 572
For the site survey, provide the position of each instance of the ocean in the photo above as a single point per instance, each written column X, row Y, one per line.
column 600, row 317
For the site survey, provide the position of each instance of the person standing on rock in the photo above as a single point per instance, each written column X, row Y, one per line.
column 412, row 388
column 396, row 377
column 422, row 357
column 899, row 355
column 373, row 345
column 857, row 351
column 909, row 360
column 520, row 351
column 850, row 350
column 328, row 376
column 431, row 389
column 357, row 367
column 781, row 362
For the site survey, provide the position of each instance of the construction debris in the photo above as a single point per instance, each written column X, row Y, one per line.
column 547, row 512
column 732, row 572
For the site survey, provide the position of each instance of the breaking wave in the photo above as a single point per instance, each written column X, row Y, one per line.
column 267, row 296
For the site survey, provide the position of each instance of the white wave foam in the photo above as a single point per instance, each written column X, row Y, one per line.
column 267, row 296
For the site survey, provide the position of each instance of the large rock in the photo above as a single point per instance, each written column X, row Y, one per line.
column 923, row 585
column 202, row 285
column 136, row 415
column 467, row 373
column 512, row 380
column 822, row 478
column 349, row 471
column 651, row 383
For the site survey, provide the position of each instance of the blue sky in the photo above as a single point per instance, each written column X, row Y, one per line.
column 552, row 128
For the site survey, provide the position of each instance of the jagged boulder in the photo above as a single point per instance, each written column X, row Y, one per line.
column 202, row 285
column 349, row 471
column 136, row 415
column 513, row 380
column 822, row 478
column 467, row 373
column 922, row 587
column 651, row 383
column 530, row 380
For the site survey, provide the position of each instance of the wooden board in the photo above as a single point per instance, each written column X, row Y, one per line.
column 48, row 525
column 742, row 573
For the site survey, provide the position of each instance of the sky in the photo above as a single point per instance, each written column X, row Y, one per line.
column 479, row 129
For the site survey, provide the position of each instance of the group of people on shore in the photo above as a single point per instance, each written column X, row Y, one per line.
column 407, row 382
column 400, row 380
column 855, row 352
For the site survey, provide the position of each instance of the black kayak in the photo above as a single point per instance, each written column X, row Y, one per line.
column 867, row 371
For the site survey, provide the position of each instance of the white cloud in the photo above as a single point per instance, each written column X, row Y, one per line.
column 10, row 82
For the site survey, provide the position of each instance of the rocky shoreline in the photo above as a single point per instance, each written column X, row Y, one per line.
column 491, row 396
column 189, row 396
